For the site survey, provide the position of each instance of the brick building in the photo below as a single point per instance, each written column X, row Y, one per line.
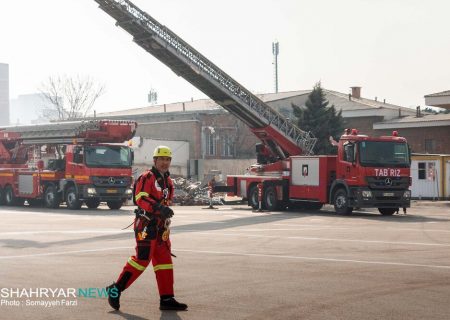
column 214, row 134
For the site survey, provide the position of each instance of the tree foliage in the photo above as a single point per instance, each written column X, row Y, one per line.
column 320, row 119
column 71, row 97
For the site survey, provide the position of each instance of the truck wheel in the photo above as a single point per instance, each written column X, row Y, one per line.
column 51, row 197
column 253, row 198
column 341, row 202
column 92, row 203
column 387, row 211
column 10, row 198
column 115, row 205
column 270, row 198
column 72, row 201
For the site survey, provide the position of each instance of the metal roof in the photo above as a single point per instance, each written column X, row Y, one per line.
column 439, row 94
column 197, row 105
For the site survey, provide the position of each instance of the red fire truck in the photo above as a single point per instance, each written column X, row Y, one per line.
column 367, row 172
column 72, row 162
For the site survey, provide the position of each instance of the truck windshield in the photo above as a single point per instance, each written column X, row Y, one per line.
column 108, row 156
column 383, row 154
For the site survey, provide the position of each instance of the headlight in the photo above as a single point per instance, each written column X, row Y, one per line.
column 407, row 194
column 367, row 194
column 91, row 191
column 129, row 191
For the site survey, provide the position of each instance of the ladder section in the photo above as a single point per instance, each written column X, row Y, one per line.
column 66, row 132
column 188, row 63
column 50, row 132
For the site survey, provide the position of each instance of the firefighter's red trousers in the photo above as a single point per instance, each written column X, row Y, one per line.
column 153, row 249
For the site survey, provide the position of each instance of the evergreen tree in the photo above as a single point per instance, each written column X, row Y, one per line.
column 321, row 120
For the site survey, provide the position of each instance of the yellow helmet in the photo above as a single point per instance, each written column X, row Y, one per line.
column 162, row 151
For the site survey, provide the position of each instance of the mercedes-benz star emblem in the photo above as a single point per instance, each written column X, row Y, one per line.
column 388, row 182
column 111, row 180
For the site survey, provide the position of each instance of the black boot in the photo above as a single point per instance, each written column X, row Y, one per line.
column 114, row 296
column 171, row 304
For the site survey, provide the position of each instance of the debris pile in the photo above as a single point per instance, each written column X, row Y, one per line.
column 191, row 193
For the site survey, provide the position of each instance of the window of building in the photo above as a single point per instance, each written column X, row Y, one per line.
column 211, row 145
column 422, row 170
column 227, row 146
column 430, row 145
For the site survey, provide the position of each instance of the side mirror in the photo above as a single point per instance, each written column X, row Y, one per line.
column 132, row 156
column 409, row 154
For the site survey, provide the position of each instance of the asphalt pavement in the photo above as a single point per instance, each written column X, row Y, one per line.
column 232, row 263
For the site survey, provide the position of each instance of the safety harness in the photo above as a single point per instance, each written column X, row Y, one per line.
column 140, row 213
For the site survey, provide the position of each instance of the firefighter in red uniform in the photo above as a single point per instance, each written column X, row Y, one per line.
column 153, row 193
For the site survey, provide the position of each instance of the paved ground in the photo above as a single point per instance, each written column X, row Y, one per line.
column 236, row 264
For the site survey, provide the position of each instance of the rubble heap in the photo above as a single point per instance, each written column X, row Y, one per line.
column 191, row 193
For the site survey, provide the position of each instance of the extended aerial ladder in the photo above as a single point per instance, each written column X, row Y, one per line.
column 280, row 135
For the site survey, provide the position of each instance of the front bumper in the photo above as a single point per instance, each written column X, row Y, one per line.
column 104, row 194
column 380, row 198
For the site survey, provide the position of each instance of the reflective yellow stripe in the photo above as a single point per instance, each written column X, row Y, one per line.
column 6, row 174
column 47, row 175
column 163, row 267
column 141, row 194
column 135, row 265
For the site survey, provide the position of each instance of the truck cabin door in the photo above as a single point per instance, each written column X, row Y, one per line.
column 348, row 166
column 77, row 166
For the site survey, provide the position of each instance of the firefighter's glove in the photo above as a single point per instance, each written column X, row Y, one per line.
column 166, row 212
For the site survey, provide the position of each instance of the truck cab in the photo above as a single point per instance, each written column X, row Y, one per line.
column 372, row 172
column 97, row 173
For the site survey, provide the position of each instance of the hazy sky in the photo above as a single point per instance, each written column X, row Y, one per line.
column 398, row 50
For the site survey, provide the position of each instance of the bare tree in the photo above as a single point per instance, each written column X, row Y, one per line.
column 71, row 97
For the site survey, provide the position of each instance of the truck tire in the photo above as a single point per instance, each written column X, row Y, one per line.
column 92, row 203
column 341, row 202
column 387, row 211
column 72, row 201
column 10, row 198
column 271, row 202
column 115, row 205
column 52, row 198
column 253, row 198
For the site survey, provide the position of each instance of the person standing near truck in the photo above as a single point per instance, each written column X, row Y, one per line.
column 153, row 193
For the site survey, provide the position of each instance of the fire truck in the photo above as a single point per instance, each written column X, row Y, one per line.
column 73, row 162
column 367, row 171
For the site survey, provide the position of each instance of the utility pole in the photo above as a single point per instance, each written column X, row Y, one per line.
column 275, row 51
column 152, row 97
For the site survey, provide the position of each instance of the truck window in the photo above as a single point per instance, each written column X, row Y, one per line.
column 349, row 151
column 384, row 154
column 108, row 156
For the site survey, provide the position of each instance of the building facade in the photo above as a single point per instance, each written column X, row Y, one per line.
column 214, row 134
column 4, row 94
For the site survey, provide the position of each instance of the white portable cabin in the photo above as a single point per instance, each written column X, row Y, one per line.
column 430, row 175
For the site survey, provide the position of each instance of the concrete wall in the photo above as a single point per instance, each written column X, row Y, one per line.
column 186, row 130
column 143, row 154
column 227, row 167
